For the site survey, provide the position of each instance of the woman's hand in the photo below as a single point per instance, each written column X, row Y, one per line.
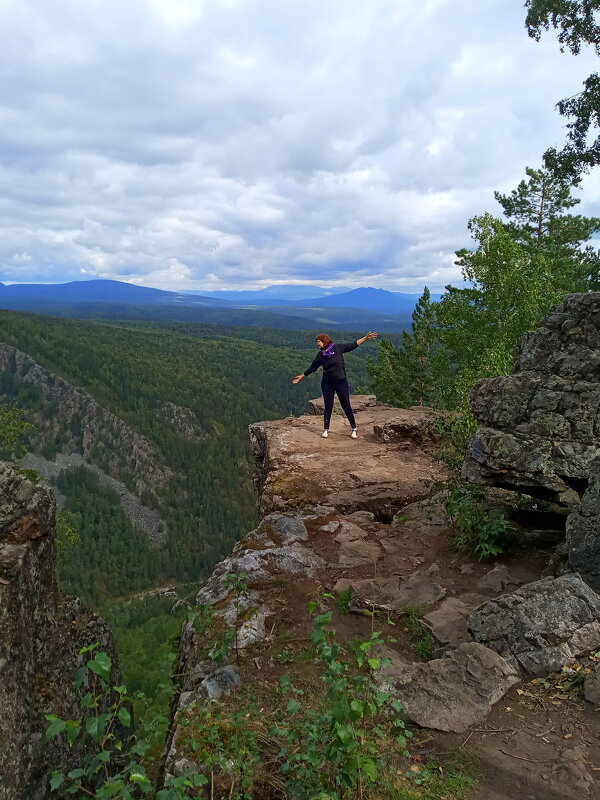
column 298, row 378
column 369, row 335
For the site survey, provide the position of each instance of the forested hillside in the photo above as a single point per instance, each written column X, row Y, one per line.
column 191, row 391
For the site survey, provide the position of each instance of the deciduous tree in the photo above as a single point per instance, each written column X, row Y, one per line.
column 577, row 24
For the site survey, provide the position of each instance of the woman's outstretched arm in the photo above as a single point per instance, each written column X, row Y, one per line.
column 369, row 335
column 313, row 368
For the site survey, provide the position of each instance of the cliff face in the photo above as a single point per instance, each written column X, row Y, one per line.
column 41, row 634
column 540, row 426
column 351, row 524
column 86, row 427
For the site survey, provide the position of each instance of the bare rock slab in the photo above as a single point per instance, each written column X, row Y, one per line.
column 497, row 580
column 418, row 590
column 412, row 424
column 358, row 552
column 348, row 532
column 392, row 594
column 456, row 691
column 448, row 623
column 363, row 475
column 542, row 625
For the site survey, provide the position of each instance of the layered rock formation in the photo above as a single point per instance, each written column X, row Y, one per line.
column 41, row 634
column 88, row 428
column 540, row 426
column 541, row 626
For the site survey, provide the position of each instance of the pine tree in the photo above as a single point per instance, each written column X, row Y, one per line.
column 537, row 220
column 404, row 377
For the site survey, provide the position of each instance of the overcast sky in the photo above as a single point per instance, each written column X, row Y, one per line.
column 218, row 144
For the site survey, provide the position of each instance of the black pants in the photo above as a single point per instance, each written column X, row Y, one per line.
column 330, row 389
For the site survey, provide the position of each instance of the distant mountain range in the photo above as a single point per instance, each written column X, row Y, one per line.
column 96, row 291
column 288, row 292
column 380, row 301
column 275, row 306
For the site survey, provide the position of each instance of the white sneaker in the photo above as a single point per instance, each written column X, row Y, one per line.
column 354, row 435
column 325, row 434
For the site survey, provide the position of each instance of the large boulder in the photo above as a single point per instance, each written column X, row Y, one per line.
column 414, row 424
column 542, row 625
column 540, row 426
column 583, row 532
column 456, row 691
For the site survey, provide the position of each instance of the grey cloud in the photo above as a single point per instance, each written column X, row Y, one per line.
column 251, row 140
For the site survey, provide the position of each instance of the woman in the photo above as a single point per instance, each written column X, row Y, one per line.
column 331, row 358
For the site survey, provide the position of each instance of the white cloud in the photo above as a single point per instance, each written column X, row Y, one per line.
column 187, row 143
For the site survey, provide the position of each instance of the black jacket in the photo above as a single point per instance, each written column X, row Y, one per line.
column 334, row 368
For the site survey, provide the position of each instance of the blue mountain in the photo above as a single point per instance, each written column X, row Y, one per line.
column 379, row 301
column 96, row 291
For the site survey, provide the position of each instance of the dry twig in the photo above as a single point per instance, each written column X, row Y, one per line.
column 522, row 758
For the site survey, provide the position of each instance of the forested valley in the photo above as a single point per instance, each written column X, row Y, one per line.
column 218, row 379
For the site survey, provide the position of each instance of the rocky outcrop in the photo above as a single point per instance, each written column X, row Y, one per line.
column 41, row 634
column 540, row 426
column 583, row 532
column 328, row 530
column 180, row 419
column 87, row 428
column 541, row 626
column 294, row 470
column 349, row 525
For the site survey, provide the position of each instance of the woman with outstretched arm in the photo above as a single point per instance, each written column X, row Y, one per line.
column 334, row 381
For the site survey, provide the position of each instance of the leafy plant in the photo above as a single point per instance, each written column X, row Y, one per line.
column 413, row 618
column 284, row 656
column 217, row 637
column 474, row 529
column 336, row 751
column 343, row 599
column 225, row 742
column 111, row 766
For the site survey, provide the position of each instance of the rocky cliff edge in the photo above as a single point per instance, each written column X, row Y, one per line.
column 41, row 634
column 351, row 524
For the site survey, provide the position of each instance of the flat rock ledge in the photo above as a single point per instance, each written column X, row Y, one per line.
column 542, row 625
column 456, row 691
column 379, row 473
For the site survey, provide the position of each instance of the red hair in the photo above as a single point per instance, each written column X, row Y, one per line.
column 323, row 337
